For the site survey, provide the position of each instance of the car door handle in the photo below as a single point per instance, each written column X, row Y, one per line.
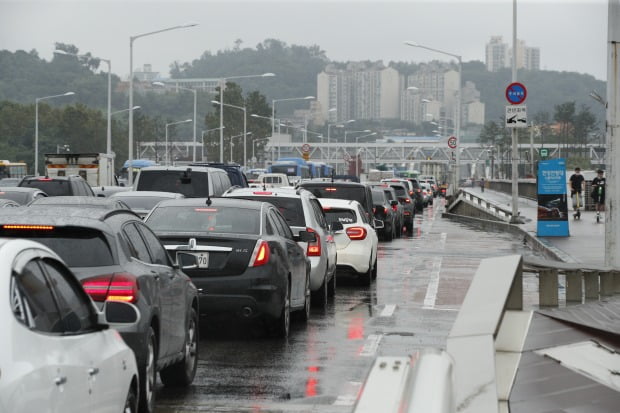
column 93, row 371
column 60, row 380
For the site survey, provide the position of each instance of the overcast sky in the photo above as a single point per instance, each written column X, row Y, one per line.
column 571, row 35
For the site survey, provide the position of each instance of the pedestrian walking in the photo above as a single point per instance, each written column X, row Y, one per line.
column 598, row 193
column 481, row 184
column 577, row 185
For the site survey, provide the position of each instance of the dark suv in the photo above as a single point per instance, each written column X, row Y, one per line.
column 59, row 186
column 117, row 257
column 352, row 191
column 237, row 178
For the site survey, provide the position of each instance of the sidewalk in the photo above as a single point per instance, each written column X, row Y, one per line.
column 586, row 243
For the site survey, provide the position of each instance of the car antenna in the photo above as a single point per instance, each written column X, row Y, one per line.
column 208, row 191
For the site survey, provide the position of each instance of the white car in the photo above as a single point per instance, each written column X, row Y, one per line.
column 58, row 354
column 356, row 242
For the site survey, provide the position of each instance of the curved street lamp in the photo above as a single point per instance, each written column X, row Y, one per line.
column 36, row 127
column 170, row 124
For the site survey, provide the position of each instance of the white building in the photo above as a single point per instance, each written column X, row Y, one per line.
column 499, row 55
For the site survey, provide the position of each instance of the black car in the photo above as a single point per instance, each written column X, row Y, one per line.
column 405, row 199
column 20, row 195
column 249, row 264
column 417, row 194
column 59, row 186
column 352, row 191
column 236, row 176
column 117, row 257
column 383, row 211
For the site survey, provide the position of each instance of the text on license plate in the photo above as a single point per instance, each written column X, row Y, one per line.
column 202, row 259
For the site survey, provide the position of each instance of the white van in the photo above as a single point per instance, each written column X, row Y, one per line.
column 271, row 180
column 191, row 181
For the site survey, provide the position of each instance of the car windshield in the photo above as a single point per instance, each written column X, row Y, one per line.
column 339, row 192
column 343, row 215
column 291, row 208
column 191, row 184
column 51, row 187
column 77, row 246
column 228, row 220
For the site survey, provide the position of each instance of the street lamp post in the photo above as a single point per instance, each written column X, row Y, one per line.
column 458, row 107
column 357, row 158
column 273, row 114
column 194, row 91
column 245, row 127
column 221, row 102
column 36, row 127
column 232, row 144
column 130, row 135
column 254, row 146
column 170, row 124
column 354, row 131
column 202, row 138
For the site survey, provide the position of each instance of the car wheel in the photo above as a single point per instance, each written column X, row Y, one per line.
column 374, row 270
column 148, row 375
column 388, row 233
column 283, row 323
column 366, row 277
column 331, row 286
column 131, row 402
column 181, row 374
column 409, row 228
column 305, row 315
column 320, row 295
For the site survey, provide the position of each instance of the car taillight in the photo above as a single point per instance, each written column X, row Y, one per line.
column 394, row 208
column 410, row 192
column 112, row 287
column 374, row 210
column 260, row 256
column 407, row 201
column 385, row 210
column 356, row 233
column 262, row 193
column 331, row 189
column 29, row 227
column 314, row 248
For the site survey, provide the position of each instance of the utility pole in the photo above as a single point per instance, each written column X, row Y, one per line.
column 515, row 152
column 612, row 198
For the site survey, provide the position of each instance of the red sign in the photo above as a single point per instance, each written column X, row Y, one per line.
column 305, row 148
column 452, row 142
column 516, row 93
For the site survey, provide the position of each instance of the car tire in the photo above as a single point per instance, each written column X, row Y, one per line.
column 320, row 295
column 409, row 228
column 282, row 325
column 148, row 374
column 366, row 277
column 331, row 285
column 374, row 270
column 388, row 233
column 131, row 402
column 182, row 373
column 305, row 313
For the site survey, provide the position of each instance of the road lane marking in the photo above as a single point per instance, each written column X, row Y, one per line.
column 433, row 284
column 371, row 346
column 388, row 310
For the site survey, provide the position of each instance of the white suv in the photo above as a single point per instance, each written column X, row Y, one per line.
column 303, row 212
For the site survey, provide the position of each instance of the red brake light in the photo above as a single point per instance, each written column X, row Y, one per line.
column 261, row 253
column 262, row 193
column 356, row 233
column 112, row 287
column 407, row 200
column 325, row 208
column 394, row 208
column 385, row 210
column 374, row 210
column 29, row 227
column 331, row 189
column 205, row 209
column 314, row 248
column 410, row 192
column 44, row 179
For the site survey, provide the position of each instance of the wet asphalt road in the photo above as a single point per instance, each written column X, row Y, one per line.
column 420, row 286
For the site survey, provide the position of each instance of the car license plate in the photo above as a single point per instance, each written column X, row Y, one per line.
column 202, row 259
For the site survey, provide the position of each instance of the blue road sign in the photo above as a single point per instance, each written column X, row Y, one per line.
column 516, row 93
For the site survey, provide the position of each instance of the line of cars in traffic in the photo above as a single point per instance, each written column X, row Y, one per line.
column 184, row 245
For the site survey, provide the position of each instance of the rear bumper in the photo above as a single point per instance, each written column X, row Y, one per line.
column 356, row 257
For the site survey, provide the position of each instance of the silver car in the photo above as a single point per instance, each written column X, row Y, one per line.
column 303, row 212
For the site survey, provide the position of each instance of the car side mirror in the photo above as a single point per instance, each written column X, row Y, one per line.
column 393, row 203
column 186, row 261
column 305, row 236
column 336, row 226
column 119, row 312
column 378, row 224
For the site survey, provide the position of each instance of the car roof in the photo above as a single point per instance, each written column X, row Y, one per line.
column 330, row 184
column 215, row 202
column 68, row 216
column 283, row 192
column 47, row 178
column 77, row 200
column 143, row 194
column 180, row 168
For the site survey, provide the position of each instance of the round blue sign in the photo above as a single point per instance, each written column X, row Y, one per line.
column 516, row 93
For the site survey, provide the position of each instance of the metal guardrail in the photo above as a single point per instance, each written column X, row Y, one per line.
column 492, row 208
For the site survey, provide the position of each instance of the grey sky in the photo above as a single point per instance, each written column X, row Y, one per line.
column 571, row 35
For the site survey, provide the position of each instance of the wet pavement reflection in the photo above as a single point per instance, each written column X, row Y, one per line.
column 421, row 283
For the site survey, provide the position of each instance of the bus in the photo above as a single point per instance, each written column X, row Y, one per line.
column 320, row 169
column 136, row 165
column 10, row 169
column 294, row 168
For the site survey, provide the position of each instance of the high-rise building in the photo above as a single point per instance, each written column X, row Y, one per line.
column 496, row 54
column 499, row 55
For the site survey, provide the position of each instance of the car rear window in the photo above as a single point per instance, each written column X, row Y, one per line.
column 77, row 246
column 400, row 190
column 52, row 187
column 192, row 185
column 378, row 197
column 339, row 192
column 342, row 215
column 141, row 202
column 226, row 220
column 290, row 208
column 19, row 197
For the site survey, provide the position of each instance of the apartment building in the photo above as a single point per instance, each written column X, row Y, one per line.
column 499, row 55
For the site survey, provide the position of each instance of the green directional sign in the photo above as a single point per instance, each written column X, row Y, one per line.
column 544, row 152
